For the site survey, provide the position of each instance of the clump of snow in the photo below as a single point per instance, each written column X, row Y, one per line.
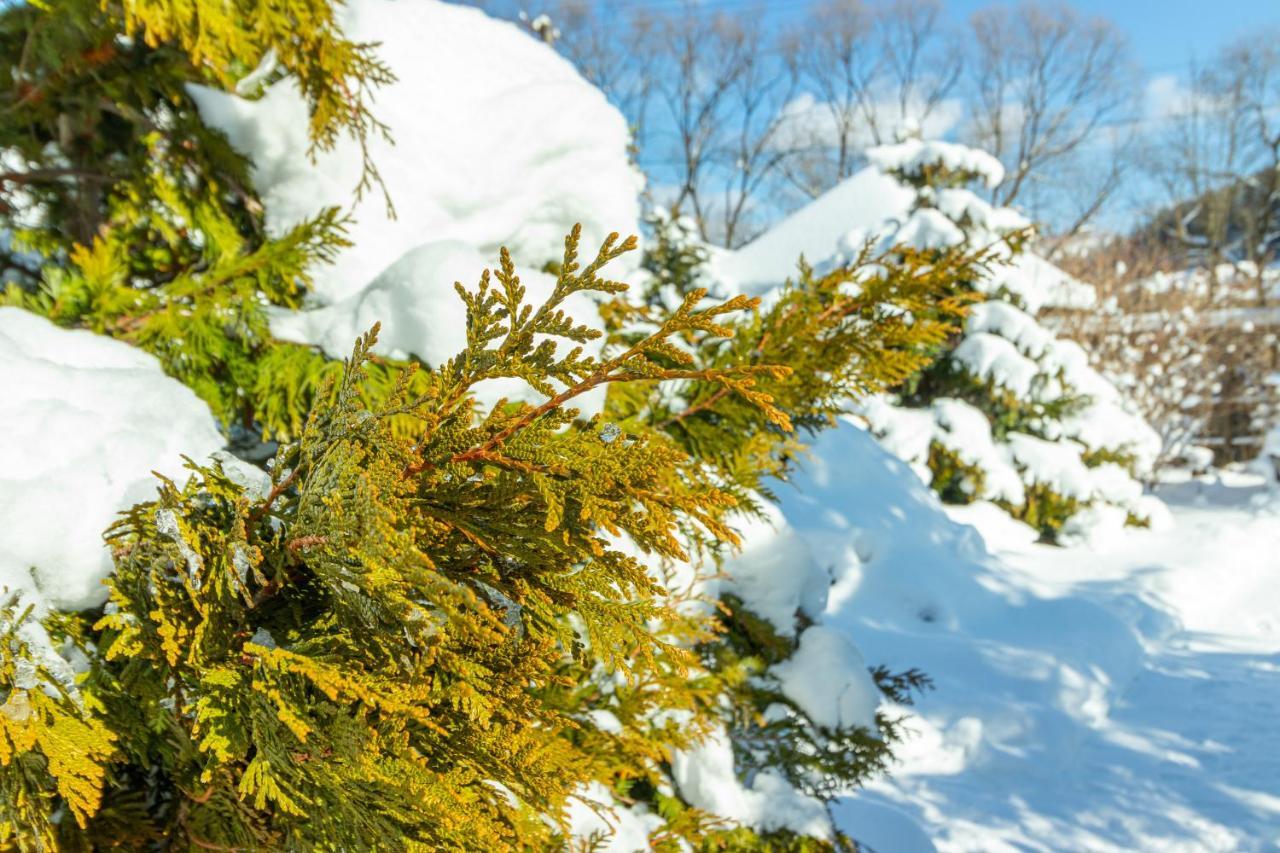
column 925, row 229
column 498, row 141
column 991, row 357
column 964, row 206
column 912, row 156
column 593, row 813
column 706, row 778
column 1038, row 284
column 86, row 419
column 774, row 574
column 828, row 679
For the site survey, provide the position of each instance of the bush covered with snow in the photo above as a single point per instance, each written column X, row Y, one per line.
column 1009, row 412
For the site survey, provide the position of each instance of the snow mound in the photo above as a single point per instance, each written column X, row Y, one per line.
column 86, row 419
column 498, row 141
column 865, row 201
column 1087, row 698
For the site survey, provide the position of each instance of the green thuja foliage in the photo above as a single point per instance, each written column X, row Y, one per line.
column 674, row 257
column 860, row 328
column 955, row 481
column 413, row 636
column 53, row 745
column 1045, row 510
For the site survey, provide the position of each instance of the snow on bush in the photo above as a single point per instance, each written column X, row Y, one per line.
column 1008, row 373
column 914, row 156
column 86, row 419
column 495, row 141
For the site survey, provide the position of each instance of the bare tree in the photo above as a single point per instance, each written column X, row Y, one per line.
column 871, row 69
column 753, row 150
column 923, row 64
column 1045, row 82
column 1257, row 62
column 703, row 62
column 1221, row 165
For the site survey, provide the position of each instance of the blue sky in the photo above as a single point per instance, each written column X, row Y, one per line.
column 1166, row 34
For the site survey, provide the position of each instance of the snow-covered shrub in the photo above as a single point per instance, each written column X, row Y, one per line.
column 1191, row 349
column 1009, row 400
column 1008, row 412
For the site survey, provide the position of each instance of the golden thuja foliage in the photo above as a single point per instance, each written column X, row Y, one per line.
column 406, row 638
column 303, row 37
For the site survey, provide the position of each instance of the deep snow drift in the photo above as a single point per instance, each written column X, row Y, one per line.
column 1115, row 696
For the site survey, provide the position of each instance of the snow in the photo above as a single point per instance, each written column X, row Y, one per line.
column 865, row 201
column 1038, row 284
column 964, row 430
column 86, row 419
column 1105, row 696
column 498, row 141
column 828, row 679
column 956, row 426
column 991, row 357
column 706, row 778
column 926, row 229
column 912, row 156
column 774, row 574
column 964, row 206
column 594, row 813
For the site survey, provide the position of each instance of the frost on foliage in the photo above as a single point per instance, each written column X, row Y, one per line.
column 706, row 778
column 512, row 151
column 85, row 421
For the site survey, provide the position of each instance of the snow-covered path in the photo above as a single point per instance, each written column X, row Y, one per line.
column 1118, row 696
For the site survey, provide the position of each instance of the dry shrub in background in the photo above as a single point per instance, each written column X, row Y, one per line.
column 1191, row 347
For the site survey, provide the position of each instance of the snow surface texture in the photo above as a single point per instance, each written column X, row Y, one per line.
column 84, row 420
column 497, row 142
column 1090, row 698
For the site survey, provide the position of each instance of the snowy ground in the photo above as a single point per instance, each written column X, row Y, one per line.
column 1111, row 696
